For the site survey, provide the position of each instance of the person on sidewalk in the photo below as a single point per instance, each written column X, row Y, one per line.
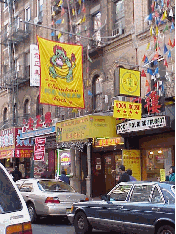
column 171, row 176
column 17, row 175
column 124, row 177
column 129, row 172
column 64, row 177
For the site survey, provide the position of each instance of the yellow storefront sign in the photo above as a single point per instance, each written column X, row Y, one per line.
column 127, row 110
column 130, row 82
column 131, row 160
column 89, row 126
column 162, row 175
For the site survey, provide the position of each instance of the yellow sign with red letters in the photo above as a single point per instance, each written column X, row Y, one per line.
column 127, row 110
column 131, row 160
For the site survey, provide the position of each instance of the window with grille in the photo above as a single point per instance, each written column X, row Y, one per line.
column 96, row 26
column 97, row 93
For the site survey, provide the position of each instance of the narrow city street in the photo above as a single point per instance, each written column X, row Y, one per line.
column 55, row 226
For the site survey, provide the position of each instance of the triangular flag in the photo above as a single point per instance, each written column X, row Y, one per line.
column 165, row 49
column 163, row 17
column 89, row 93
column 169, row 42
column 60, row 3
column 147, row 83
column 79, row 2
column 146, row 60
column 79, row 11
column 155, row 57
column 171, row 13
column 151, row 31
column 73, row 11
column 152, row 6
column 150, row 17
column 84, row 9
column 148, row 46
column 58, row 21
column 156, row 14
column 172, row 26
column 84, row 19
column 165, row 63
column 59, row 35
column 173, row 43
column 157, row 30
column 168, row 2
column 149, row 71
column 165, row 14
column 62, row 21
column 169, row 54
column 156, row 71
column 62, row 11
column 52, row 23
column 166, row 28
column 144, row 57
column 53, row 34
column 143, row 73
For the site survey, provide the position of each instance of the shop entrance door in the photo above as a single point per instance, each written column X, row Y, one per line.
column 110, row 174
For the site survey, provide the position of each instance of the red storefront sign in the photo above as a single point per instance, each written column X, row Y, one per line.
column 39, row 149
column 12, row 146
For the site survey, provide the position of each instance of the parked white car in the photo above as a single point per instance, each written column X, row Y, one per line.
column 14, row 216
column 48, row 197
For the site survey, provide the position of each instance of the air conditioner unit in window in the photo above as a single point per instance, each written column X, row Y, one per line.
column 117, row 32
column 38, row 20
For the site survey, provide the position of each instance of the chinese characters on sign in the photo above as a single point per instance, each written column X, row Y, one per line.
column 131, row 160
column 34, row 66
column 39, row 149
column 152, row 103
column 108, row 142
column 130, row 82
column 128, row 110
column 33, row 125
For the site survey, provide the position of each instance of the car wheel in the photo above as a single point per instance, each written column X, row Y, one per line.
column 81, row 224
column 166, row 229
column 32, row 213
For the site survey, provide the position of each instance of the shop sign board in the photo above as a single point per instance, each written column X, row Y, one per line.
column 89, row 126
column 34, row 65
column 63, row 162
column 11, row 143
column 108, row 142
column 7, row 153
column 162, row 175
column 131, row 160
column 127, row 110
column 130, row 82
column 141, row 125
column 39, row 149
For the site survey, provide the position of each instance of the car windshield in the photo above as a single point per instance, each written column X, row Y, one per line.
column 9, row 199
column 169, row 197
column 54, row 186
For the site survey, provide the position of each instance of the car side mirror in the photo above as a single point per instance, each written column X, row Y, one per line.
column 105, row 197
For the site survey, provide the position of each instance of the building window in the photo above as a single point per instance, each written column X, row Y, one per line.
column 97, row 93
column 96, row 26
column 5, row 115
column 39, row 108
column 27, row 17
column 119, row 23
column 40, row 8
column 57, row 112
column 26, row 109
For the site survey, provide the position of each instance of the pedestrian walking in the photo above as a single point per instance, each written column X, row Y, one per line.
column 17, row 175
column 124, row 177
column 129, row 172
column 64, row 177
column 171, row 176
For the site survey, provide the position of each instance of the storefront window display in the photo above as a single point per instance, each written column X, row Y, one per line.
column 63, row 162
column 157, row 160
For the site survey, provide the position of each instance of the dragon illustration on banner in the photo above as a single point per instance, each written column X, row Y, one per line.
column 62, row 67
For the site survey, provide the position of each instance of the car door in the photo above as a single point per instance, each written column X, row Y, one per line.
column 110, row 212
column 26, row 190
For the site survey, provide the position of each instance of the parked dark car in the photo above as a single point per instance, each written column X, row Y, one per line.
column 131, row 207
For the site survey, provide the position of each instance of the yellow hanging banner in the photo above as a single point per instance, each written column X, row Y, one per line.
column 127, row 110
column 130, row 82
column 131, row 160
column 61, row 79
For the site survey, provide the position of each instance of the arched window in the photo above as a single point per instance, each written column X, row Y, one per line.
column 26, row 109
column 97, row 93
column 39, row 108
column 5, row 115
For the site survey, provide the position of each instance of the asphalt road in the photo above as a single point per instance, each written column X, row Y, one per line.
column 55, row 226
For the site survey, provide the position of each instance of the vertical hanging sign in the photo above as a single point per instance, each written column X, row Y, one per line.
column 39, row 149
column 34, row 66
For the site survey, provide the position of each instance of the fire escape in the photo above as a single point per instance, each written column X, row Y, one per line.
column 13, row 75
